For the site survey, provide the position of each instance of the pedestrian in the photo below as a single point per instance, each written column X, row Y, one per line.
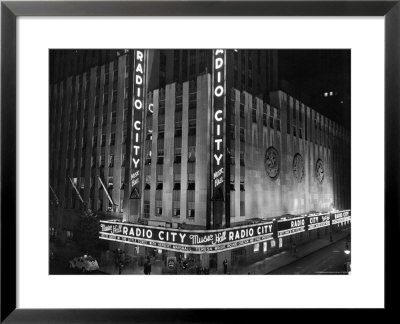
column 225, row 263
column 120, row 266
column 148, row 266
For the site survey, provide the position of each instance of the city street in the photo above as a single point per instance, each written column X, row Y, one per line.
column 328, row 260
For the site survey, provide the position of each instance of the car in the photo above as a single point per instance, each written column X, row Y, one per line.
column 84, row 263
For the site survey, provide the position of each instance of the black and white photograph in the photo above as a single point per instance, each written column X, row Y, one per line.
column 199, row 161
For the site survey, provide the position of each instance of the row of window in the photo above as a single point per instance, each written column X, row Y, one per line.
column 159, row 211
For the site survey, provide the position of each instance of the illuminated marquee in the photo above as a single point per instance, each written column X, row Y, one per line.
column 137, row 123
column 186, row 240
column 318, row 221
column 219, row 85
column 291, row 226
column 342, row 217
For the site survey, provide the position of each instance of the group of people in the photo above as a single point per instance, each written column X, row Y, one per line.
column 201, row 270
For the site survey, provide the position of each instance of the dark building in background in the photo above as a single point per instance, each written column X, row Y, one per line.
column 284, row 156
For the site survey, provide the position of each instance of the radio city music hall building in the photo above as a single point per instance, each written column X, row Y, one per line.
column 181, row 143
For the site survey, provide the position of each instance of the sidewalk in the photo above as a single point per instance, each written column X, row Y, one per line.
column 284, row 258
column 264, row 266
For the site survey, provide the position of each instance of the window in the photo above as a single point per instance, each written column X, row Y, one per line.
column 256, row 247
column 177, row 212
column 242, row 208
column 271, row 122
column 70, row 235
column 192, row 154
column 146, row 209
column 148, row 159
column 159, row 186
column 125, row 117
column 242, row 158
column 158, row 211
column 114, row 96
column 241, row 110
column 254, row 114
column 242, row 136
column 265, row 115
column 265, row 246
column 191, row 186
column 233, row 154
column 103, row 140
column 232, row 131
column 104, row 119
column 190, row 213
column 121, row 206
column 112, row 139
column 191, row 169
column 111, row 164
column 123, row 159
column 113, row 117
column 178, row 155
column 278, row 124
column 124, row 137
column 177, row 186
column 192, row 128
column 94, row 141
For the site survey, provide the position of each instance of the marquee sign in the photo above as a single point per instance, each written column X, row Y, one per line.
column 188, row 241
column 137, row 123
column 291, row 226
column 341, row 217
column 318, row 221
column 219, row 94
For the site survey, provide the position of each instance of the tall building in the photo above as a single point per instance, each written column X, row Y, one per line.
column 162, row 139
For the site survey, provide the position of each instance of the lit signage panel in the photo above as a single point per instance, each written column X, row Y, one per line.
column 291, row 226
column 318, row 221
column 178, row 240
column 136, row 148
column 341, row 217
column 219, row 94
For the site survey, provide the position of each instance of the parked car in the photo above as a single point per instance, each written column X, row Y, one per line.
column 84, row 263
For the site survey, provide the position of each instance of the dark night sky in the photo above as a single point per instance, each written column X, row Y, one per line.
column 306, row 75
column 312, row 74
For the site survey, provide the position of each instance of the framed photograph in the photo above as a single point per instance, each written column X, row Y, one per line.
column 199, row 142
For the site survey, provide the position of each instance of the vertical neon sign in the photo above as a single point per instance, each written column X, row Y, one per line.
column 219, row 85
column 137, row 123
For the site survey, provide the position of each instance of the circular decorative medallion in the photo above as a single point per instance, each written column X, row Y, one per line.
column 298, row 167
column 271, row 163
column 319, row 170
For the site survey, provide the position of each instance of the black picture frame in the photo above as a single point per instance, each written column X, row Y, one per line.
column 10, row 10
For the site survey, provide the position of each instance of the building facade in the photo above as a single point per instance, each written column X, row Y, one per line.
column 281, row 156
